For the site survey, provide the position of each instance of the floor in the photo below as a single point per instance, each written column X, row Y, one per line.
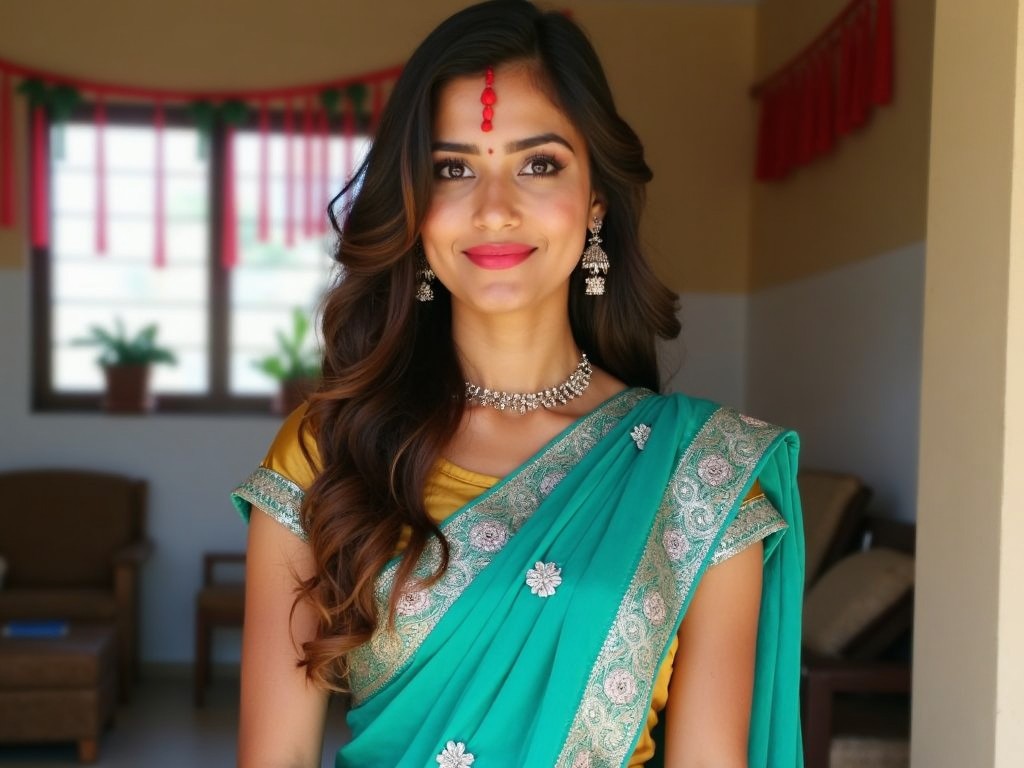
column 161, row 729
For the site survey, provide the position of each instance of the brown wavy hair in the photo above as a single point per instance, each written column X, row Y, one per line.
column 393, row 392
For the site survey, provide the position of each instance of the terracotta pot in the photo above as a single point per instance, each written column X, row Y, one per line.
column 127, row 389
column 293, row 393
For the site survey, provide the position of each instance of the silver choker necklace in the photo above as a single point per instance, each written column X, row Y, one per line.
column 521, row 402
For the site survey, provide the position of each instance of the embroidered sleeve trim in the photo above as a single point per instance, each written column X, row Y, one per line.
column 707, row 482
column 276, row 495
column 756, row 520
column 474, row 536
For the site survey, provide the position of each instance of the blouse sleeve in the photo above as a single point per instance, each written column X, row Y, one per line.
column 279, row 484
column 756, row 520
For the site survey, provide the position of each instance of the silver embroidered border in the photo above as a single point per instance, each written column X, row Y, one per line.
column 756, row 520
column 277, row 496
column 502, row 513
column 708, row 479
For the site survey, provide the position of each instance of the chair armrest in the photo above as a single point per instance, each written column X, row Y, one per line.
column 134, row 554
column 855, row 676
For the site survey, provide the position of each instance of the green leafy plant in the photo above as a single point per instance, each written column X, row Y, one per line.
column 293, row 360
column 118, row 348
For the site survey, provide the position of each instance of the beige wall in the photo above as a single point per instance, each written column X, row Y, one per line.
column 683, row 88
column 868, row 196
column 969, row 622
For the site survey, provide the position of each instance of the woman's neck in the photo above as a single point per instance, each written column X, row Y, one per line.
column 515, row 354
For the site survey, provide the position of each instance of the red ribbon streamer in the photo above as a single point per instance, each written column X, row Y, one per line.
column 263, row 229
column 805, row 140
column 378, row 106
column 6, row 153
column 40, row 180
column 307, row 150
column 882, row 72
column 289, row 177
column 229, row 254
column 824, row 133
column 101, row 177
column 159, row 214
column 325, row 174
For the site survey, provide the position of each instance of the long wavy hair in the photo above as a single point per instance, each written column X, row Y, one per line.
column 393, row 389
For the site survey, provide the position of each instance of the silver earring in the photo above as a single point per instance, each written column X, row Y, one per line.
column 425, row 275
column 596, row 260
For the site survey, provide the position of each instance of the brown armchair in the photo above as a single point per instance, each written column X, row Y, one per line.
column 73, row 542
column 856, row 669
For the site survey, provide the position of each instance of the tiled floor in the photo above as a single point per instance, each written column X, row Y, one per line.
column 161, row 729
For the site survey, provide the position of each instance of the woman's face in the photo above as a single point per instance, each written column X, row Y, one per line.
column 510, row 210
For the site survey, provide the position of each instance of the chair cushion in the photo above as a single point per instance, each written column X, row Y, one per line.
column 93, row 604
column 852, row 595
column 224, row 602
column 824, row 497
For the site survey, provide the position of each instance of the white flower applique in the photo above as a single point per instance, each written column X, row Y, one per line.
column 543, row 579
column 454, row 755
column 640, row 434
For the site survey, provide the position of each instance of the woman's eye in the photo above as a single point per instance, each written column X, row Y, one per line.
column 450, row 170
column 542, row 165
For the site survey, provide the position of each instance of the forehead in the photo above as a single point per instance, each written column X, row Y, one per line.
column 523, row 108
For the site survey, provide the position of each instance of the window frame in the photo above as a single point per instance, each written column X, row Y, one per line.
column 217, row 399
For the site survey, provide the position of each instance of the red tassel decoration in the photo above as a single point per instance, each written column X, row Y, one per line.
column 6, row 153
column 229, row 254
column 824, row 136
column 40, row 180
column 159, row 213
column 845, row 81
column 289, row 176
column 263, row 225
column 378, row 106
column 881, row 78
column 101, row 176
column 805, row 134
column 325, row 174
column 860, row 107
column 349, row 114
column 307, row 149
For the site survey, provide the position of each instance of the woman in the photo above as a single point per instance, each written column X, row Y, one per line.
column 506, row 546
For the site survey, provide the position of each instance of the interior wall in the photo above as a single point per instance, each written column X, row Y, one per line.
column 683, row 91
column 837, row 272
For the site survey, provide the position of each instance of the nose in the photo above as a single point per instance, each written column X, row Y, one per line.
column 496, row 205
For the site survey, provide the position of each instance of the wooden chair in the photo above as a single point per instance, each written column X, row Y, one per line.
column 833, row 510
column 856, row 671
column 218, row 604
column 75, row 542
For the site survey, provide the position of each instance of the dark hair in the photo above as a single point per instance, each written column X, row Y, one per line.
column 393, row 392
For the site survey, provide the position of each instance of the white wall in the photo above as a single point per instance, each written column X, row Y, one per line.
column 837, row 357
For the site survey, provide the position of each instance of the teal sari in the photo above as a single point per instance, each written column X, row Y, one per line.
column 567, row 582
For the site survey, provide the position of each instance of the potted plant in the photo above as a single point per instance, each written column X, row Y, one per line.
column 126, row 362
column 296, row 366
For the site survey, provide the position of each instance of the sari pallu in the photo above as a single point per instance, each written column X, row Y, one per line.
column 629, row 504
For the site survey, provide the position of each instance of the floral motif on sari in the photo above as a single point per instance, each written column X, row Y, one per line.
column 706, row 485
column 475, row 535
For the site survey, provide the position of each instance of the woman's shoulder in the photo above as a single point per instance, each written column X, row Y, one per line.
column 286, row 456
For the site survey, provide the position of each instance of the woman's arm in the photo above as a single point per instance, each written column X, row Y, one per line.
column 282, row 715
column 709, row 699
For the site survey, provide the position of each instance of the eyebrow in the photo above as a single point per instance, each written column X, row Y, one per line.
column 511, row 148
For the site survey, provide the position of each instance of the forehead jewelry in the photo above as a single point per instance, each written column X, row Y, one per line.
column 488, row 98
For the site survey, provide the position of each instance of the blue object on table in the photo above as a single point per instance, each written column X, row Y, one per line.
column 35, row 628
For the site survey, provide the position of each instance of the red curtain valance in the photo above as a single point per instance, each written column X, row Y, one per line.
column 308, row 111
column 827, row 91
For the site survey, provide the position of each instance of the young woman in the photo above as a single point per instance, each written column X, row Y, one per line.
column 487, row 526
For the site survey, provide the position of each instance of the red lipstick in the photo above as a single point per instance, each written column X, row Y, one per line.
column 499, row 255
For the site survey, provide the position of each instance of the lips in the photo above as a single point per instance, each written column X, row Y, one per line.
column 499, row 255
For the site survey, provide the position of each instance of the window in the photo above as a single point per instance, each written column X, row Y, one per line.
column 217, row 321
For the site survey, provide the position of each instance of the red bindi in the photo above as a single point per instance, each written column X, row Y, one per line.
column 488, row 98
column 490, row 151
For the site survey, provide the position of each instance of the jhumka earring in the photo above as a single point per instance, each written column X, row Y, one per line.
column 425, row 275
column 595, row 260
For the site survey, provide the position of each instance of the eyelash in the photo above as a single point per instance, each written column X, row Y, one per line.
column 453, row 162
